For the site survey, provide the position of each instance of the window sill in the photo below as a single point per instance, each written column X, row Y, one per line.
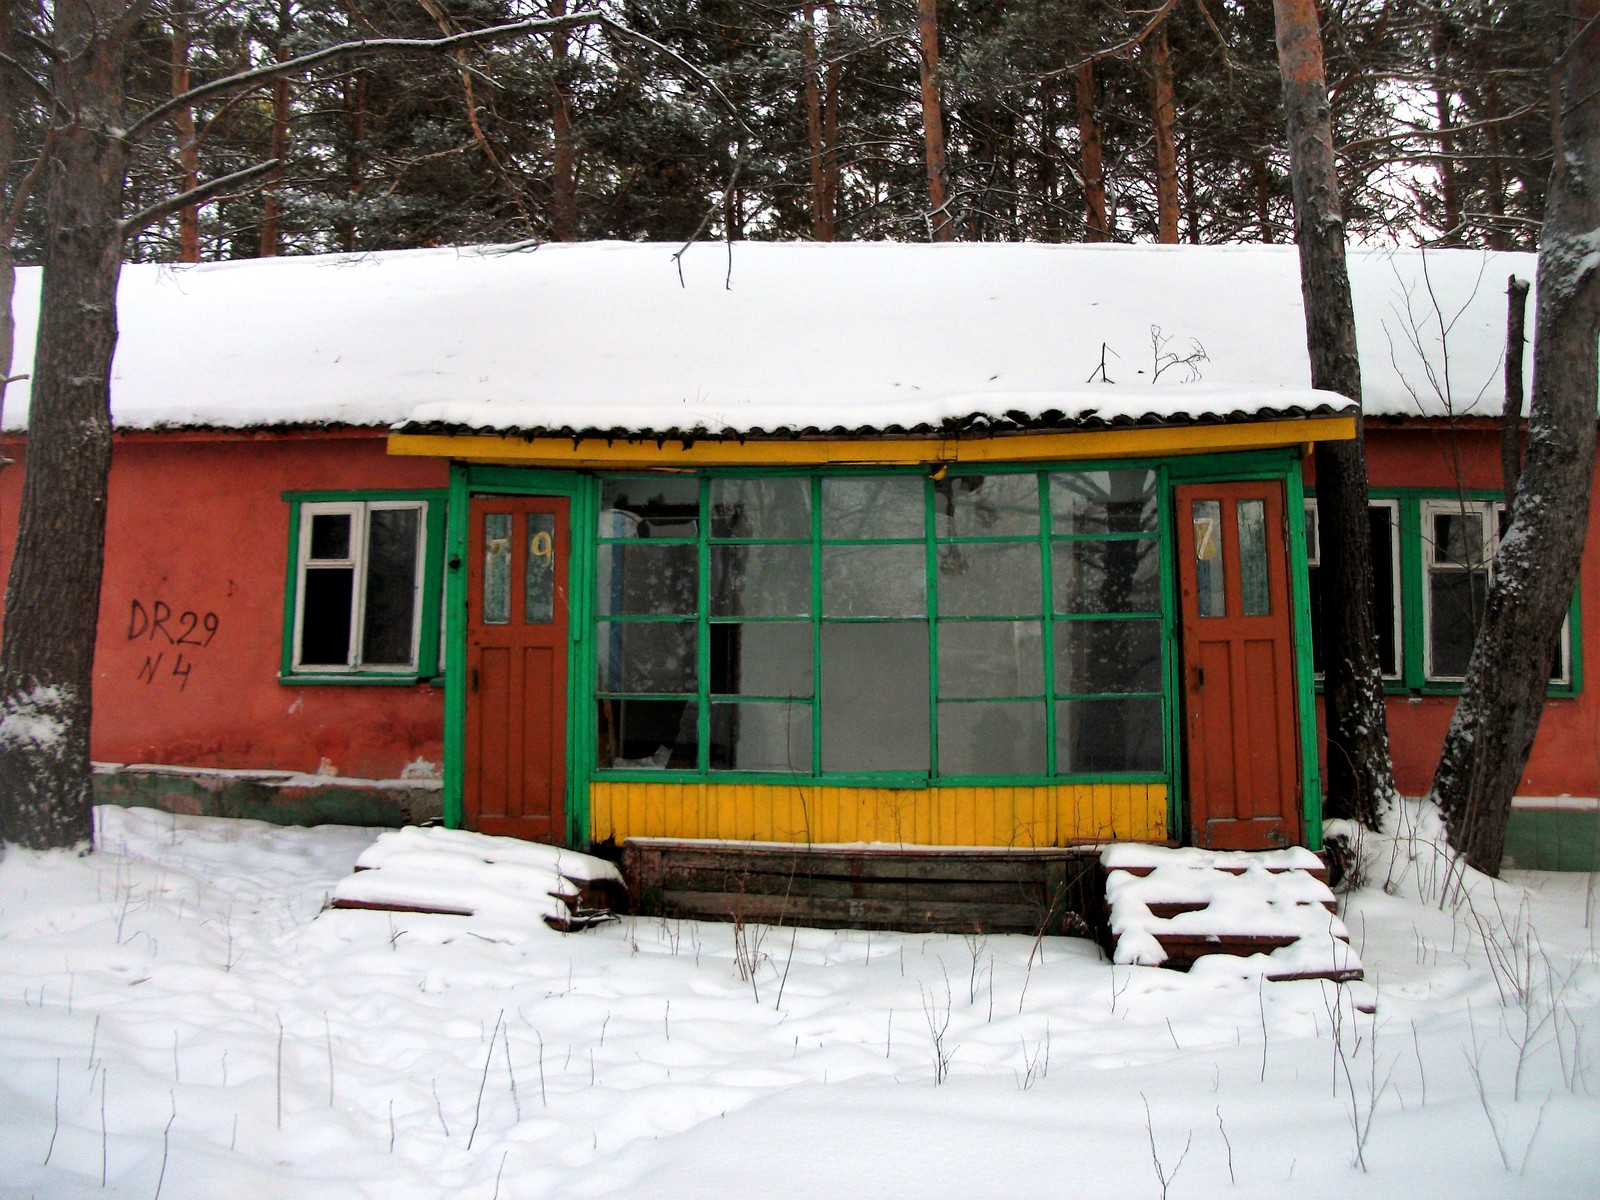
column 359, row 680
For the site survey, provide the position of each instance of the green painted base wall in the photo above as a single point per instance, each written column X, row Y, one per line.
column 278, row 799
column 1553, row 839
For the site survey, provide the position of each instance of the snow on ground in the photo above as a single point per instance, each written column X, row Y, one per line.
column 180, row 1015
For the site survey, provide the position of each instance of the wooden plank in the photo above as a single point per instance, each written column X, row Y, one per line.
column 763, row 884
column 846, row 866
column 855, row 913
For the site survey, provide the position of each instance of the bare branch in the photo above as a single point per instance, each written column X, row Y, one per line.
column 1120, row 48
column 212, row 189
column 29, row 78
column 364, row 48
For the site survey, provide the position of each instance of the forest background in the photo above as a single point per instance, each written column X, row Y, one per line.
column 1049, row 120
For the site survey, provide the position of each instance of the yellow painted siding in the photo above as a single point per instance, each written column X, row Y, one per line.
column 1054, row 815
column 602, row 453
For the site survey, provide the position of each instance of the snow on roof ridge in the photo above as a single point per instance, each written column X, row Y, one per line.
column 796, row 335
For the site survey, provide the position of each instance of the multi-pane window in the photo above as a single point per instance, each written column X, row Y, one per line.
column 1000, row 624
column 1383, row 522
column 358, row 588
column 1460, row 539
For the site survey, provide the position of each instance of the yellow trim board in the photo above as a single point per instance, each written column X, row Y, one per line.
column 599, row 453
column 1014, row 817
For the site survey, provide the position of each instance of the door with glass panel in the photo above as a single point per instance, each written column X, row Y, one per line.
column 517, row 624
column 1241, row 736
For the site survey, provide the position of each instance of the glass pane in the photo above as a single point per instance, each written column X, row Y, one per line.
column 325, row 617
column 1210, row 589
column 1458, row 538
column 875, row 697
column 1107, row 656
column 761, row 581
column 647, row 734
column 884, row 507
column 986, row 506
column 761, row 737
column 391, row 593
column 660, row 507
column 767, row 658
column 761, row 508
column 1092, row 502
column 330, row 535
column 1106, row 577
column 496, row 568
column 1253, row 591
column 1313, row 542
column 1094, row 736
column 539, row 575
column 980, row 579
column 644, row 580
column 990, row 658
column 645, row 656
column 1385, row 590
column 874, row 581
column 1456, row 599
column 991, row 739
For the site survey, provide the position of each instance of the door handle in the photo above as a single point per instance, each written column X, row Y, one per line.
column 1198, row 674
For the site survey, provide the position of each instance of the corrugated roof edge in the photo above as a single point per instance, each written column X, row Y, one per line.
column 975, row 423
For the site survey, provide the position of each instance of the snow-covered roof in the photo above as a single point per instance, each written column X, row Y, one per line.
column 768, row 338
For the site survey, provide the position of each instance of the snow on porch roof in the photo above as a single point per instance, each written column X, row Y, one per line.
column 606, row 338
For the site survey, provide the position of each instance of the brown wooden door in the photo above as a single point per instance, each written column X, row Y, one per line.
column 515, row 777
column 1241, row 740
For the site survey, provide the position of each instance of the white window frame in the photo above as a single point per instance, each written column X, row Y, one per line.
column 1314, row 528
column 359, row 512
column 1490, row 512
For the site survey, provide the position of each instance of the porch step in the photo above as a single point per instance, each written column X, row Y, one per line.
column 501, row 886
column 1171, row 907
column 909, row 888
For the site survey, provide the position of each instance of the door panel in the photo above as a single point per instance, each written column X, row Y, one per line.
column 1240, row 729
column 515, row 774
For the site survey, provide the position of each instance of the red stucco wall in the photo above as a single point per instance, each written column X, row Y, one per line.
column 1566, row 753
column 199, row 525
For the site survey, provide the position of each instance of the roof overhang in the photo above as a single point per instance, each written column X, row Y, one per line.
column 613, row 451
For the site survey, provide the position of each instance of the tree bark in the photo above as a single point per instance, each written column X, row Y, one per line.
column 1511, row 417
column 942, row 227
column 1492, row 731
column 53, row 595
column 822, row 227
column 564, row 155
column 188, row 142
column 1360, row 779
column 271, row 205
column 1449, row 177
column 1096, row 227
column 1165, row 118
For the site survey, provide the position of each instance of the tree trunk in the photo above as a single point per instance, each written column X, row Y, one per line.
column 188, row 143
column 53, row 596
column 1263, row 192
column 940, row 224
column 1492, row 731
column 1511, row 417
column 1449, row 177
column 1495, row 182
column 271, row 205
column 1360, row 779
column 822, row 229
column 1096, row 227
column 564, row 156
column 1165, row 119
column 8, row 202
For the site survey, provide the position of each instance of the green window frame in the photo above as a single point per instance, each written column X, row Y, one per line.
column 1417, row 561
column 790, row 589
column 347, row 592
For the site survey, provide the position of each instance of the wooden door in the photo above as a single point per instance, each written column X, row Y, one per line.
column 515, row 776
column 1241, row 731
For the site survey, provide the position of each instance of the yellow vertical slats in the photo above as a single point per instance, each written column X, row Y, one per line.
column 1046, row 815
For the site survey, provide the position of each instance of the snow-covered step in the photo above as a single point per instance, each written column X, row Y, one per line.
column 1170, row 907
column 496, row 881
